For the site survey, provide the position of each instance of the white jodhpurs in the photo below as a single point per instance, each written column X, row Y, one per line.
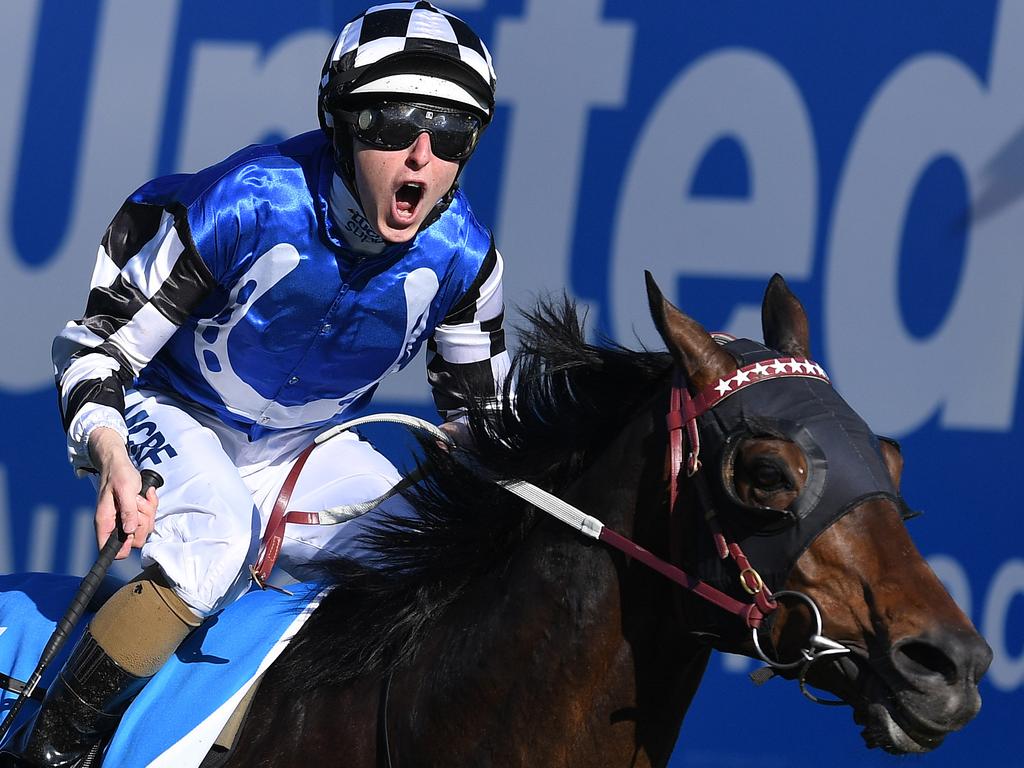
column 219, row 490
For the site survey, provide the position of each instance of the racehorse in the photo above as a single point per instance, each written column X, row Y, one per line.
column 489, row 634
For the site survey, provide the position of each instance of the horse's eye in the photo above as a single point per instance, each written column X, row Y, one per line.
column 763, row 472
column 768, row 476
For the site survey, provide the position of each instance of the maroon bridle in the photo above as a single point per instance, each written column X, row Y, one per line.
column 684, row 410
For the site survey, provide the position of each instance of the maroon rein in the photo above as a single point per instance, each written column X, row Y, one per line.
column 683, row 412
column 682, row 416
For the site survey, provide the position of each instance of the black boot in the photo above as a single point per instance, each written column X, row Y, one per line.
column 82, row 707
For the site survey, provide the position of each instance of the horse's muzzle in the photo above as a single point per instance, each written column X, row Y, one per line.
column 924, row 688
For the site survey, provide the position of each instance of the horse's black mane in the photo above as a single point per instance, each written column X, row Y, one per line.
column 567, row 395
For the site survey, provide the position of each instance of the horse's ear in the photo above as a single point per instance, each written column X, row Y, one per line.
column 704, row 361
column 783, row 320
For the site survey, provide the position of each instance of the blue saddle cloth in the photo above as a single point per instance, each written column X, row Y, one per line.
column 179, row 714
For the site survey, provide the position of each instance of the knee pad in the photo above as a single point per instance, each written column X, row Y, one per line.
column 143, row 623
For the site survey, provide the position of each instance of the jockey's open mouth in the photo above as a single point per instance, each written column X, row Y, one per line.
column 407, row 199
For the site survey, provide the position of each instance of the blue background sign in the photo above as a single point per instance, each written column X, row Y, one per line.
column 872, row 152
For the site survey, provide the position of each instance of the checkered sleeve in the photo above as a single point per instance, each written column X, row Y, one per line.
column 466, row 356
column 147, row 279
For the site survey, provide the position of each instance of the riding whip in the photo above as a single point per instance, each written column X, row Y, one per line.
column 90, row 583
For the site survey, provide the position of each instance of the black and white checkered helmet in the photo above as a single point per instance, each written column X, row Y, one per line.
column 410, row 50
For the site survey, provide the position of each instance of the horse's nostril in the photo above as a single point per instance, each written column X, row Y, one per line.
column 951, row 656
column 921, row 658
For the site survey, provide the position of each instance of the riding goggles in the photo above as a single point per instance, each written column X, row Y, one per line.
column 395, row 125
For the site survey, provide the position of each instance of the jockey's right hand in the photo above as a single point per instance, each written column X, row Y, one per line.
column 118, row 497
column 459, row 433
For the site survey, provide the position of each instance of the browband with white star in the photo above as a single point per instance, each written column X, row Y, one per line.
column 775, row 368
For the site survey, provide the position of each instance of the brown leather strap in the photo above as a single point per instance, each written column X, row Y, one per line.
column 682, row 416
column 270, row 548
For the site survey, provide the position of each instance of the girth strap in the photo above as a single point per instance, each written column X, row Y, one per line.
column 279, row 517
column 273, row 537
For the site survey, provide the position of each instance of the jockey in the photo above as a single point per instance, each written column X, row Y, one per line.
column 236, row 312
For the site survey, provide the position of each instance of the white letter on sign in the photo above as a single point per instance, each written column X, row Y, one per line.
column 661, row 227
column 968, row 368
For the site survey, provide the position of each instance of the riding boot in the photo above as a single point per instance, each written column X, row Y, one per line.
column 83, row 705
column 129, row 639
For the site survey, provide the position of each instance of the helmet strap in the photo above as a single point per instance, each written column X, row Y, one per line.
column 343, row 144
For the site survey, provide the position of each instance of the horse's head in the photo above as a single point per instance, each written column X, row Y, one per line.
column 811, row 496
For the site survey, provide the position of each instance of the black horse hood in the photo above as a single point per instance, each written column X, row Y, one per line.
column 844, row 464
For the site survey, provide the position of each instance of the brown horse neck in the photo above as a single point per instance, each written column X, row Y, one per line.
column 572, row 644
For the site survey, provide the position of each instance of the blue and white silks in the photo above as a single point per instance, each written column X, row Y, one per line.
column 298, row 327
